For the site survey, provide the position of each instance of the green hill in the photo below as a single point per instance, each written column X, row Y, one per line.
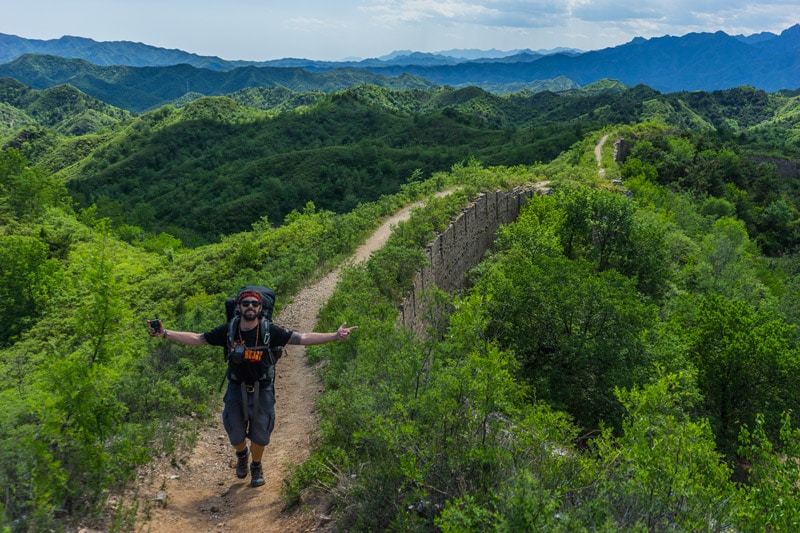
column 264, row 152
column 12, row 118
column 229, row 165
column 63, row 107
column 557, row 84
column 142, row 88
column 277, row 148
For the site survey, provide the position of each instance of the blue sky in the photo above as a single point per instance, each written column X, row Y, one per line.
column 251, row 29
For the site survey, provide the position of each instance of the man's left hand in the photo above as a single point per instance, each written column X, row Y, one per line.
column 344, row 332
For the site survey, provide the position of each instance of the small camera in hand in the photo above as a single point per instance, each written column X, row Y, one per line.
column 156, row 328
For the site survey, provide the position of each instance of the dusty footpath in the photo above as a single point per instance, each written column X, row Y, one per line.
column 203, row 494
column 598, row 155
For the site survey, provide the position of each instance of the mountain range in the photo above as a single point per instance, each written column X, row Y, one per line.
column 696, row 61
column 144, row 55
column 141, row 88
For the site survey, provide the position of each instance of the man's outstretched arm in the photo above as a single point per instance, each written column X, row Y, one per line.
column 307, row 339
column 181, row 337
column 185, row 337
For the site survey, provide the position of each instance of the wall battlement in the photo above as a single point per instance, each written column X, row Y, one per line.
column 460, row 247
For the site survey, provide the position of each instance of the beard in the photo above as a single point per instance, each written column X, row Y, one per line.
column 250, row 314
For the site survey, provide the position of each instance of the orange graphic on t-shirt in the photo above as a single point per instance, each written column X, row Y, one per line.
column 253, row 356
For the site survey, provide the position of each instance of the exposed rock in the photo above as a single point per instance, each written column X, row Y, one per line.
column 161, row 498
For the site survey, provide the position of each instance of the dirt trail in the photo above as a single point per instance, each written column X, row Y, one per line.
column 598, row 155
column 204, row 494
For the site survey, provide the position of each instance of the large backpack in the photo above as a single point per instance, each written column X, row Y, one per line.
column 233, row 319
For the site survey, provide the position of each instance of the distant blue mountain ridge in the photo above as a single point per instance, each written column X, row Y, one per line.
column 695, row 61
column 108, row 53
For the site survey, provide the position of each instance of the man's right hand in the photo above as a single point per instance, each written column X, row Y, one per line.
column 155, row 327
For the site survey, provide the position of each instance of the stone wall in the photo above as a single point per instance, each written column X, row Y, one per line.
column 621, row 149
column 459, row 248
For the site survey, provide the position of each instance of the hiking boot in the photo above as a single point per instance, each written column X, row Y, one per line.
column 241, row 464
column 256, row 475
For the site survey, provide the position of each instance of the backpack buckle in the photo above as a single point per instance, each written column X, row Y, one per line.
column 250, row 388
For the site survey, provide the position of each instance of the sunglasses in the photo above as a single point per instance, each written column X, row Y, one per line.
column 250, row 303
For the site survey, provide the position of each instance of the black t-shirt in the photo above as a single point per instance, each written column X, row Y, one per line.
column 256, row 361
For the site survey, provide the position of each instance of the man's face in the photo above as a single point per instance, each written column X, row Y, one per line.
column 249, row 308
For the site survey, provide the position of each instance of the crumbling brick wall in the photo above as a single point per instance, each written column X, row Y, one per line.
column 459, row 248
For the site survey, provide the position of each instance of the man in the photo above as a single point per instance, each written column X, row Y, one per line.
column 250, row 398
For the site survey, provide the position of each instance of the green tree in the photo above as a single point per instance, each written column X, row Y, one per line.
column 663, row 470
column 25, row 192
column 773, row 487
column 27, row 279
column 575, row 332
column 747, row 363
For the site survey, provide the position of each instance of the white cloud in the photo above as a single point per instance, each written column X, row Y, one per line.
column 312, row 24
column 682, row 16
column 507, row 13
column 651, row 16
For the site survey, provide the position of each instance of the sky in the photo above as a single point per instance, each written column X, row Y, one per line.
column 330, row 30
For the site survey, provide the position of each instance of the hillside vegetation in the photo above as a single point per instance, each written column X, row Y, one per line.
column 339, row 149
column 277, row 148
column 619, row 362
column 63, row 108
column 225, row 162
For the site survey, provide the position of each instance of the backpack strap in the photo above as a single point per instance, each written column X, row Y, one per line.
column 265, row 337
column 233, row 327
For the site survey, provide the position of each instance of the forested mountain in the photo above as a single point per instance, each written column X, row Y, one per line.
column 230, row 164
column 278, row 148
column 339, row 150
column 141, row 88
column 63, row 107
column 108, row 53
column 696, row 61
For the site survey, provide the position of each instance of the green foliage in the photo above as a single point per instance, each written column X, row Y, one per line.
column 588, row 298
column 706, row 166
column 231, row 165
column 774, row 479
column 747, row 364
column 576, row 333
column 664, row 470
column 24, row 192
column 27, row 279
column 62, row 107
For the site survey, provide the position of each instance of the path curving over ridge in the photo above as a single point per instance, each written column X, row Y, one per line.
column 204, row 494
column 598, row 155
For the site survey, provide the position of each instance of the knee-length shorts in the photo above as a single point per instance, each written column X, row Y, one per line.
column 261, row 421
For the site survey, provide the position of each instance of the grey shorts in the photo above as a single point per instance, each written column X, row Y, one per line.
column 260, row 427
